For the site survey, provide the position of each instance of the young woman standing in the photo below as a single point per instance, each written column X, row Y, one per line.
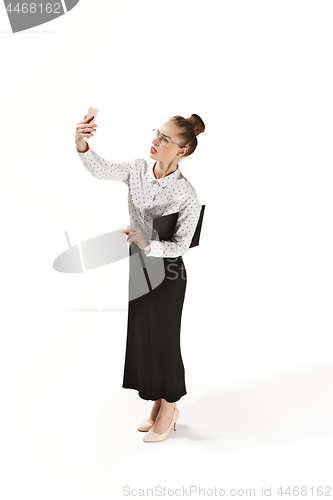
column 153, row 361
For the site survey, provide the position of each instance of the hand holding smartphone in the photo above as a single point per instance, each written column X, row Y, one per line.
column 85, row 129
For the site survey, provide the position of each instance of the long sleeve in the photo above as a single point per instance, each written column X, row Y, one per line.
column 103, row 169
column 187, row 221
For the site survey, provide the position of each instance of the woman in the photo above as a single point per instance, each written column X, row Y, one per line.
column 153, row 362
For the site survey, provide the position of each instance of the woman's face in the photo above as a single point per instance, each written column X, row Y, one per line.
column 167, row 153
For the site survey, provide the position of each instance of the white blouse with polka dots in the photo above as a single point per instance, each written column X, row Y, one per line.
column 149, row 197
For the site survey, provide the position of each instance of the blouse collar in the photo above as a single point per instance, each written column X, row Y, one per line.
column 164, row 181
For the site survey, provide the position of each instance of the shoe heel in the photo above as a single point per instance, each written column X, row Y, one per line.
column 177, row 417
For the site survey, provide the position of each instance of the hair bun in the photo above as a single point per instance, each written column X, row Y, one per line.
column 197, row 124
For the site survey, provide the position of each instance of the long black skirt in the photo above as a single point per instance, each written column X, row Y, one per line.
column 153, row 361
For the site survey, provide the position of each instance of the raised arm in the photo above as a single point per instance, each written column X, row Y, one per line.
column 103, row 169
column 187, row 221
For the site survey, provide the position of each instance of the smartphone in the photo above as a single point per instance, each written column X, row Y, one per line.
column 92, row 111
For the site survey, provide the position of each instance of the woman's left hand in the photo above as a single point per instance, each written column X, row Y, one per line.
column 135, row 234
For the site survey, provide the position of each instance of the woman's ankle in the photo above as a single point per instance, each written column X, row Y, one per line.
column 166, row 407
column 155, row 409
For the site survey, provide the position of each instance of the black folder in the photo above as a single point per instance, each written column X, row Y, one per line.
column 165, row 226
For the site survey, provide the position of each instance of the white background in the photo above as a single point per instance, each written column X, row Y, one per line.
column 257, row 319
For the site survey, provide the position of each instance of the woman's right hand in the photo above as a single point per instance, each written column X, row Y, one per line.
column 83, row 129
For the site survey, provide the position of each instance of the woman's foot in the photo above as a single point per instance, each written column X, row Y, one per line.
column 154, row 412
column 164, row 417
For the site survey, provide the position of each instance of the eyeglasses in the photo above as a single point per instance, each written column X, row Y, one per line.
column 163, row 140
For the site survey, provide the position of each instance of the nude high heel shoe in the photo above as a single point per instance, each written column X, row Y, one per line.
column 153, row 437
column 145, row 426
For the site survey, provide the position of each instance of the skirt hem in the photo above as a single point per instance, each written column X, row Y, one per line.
column 155, row 399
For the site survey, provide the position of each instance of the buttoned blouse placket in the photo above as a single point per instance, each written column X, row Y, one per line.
column 158, row 186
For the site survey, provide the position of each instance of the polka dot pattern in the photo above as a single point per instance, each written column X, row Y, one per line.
column 149, row 197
